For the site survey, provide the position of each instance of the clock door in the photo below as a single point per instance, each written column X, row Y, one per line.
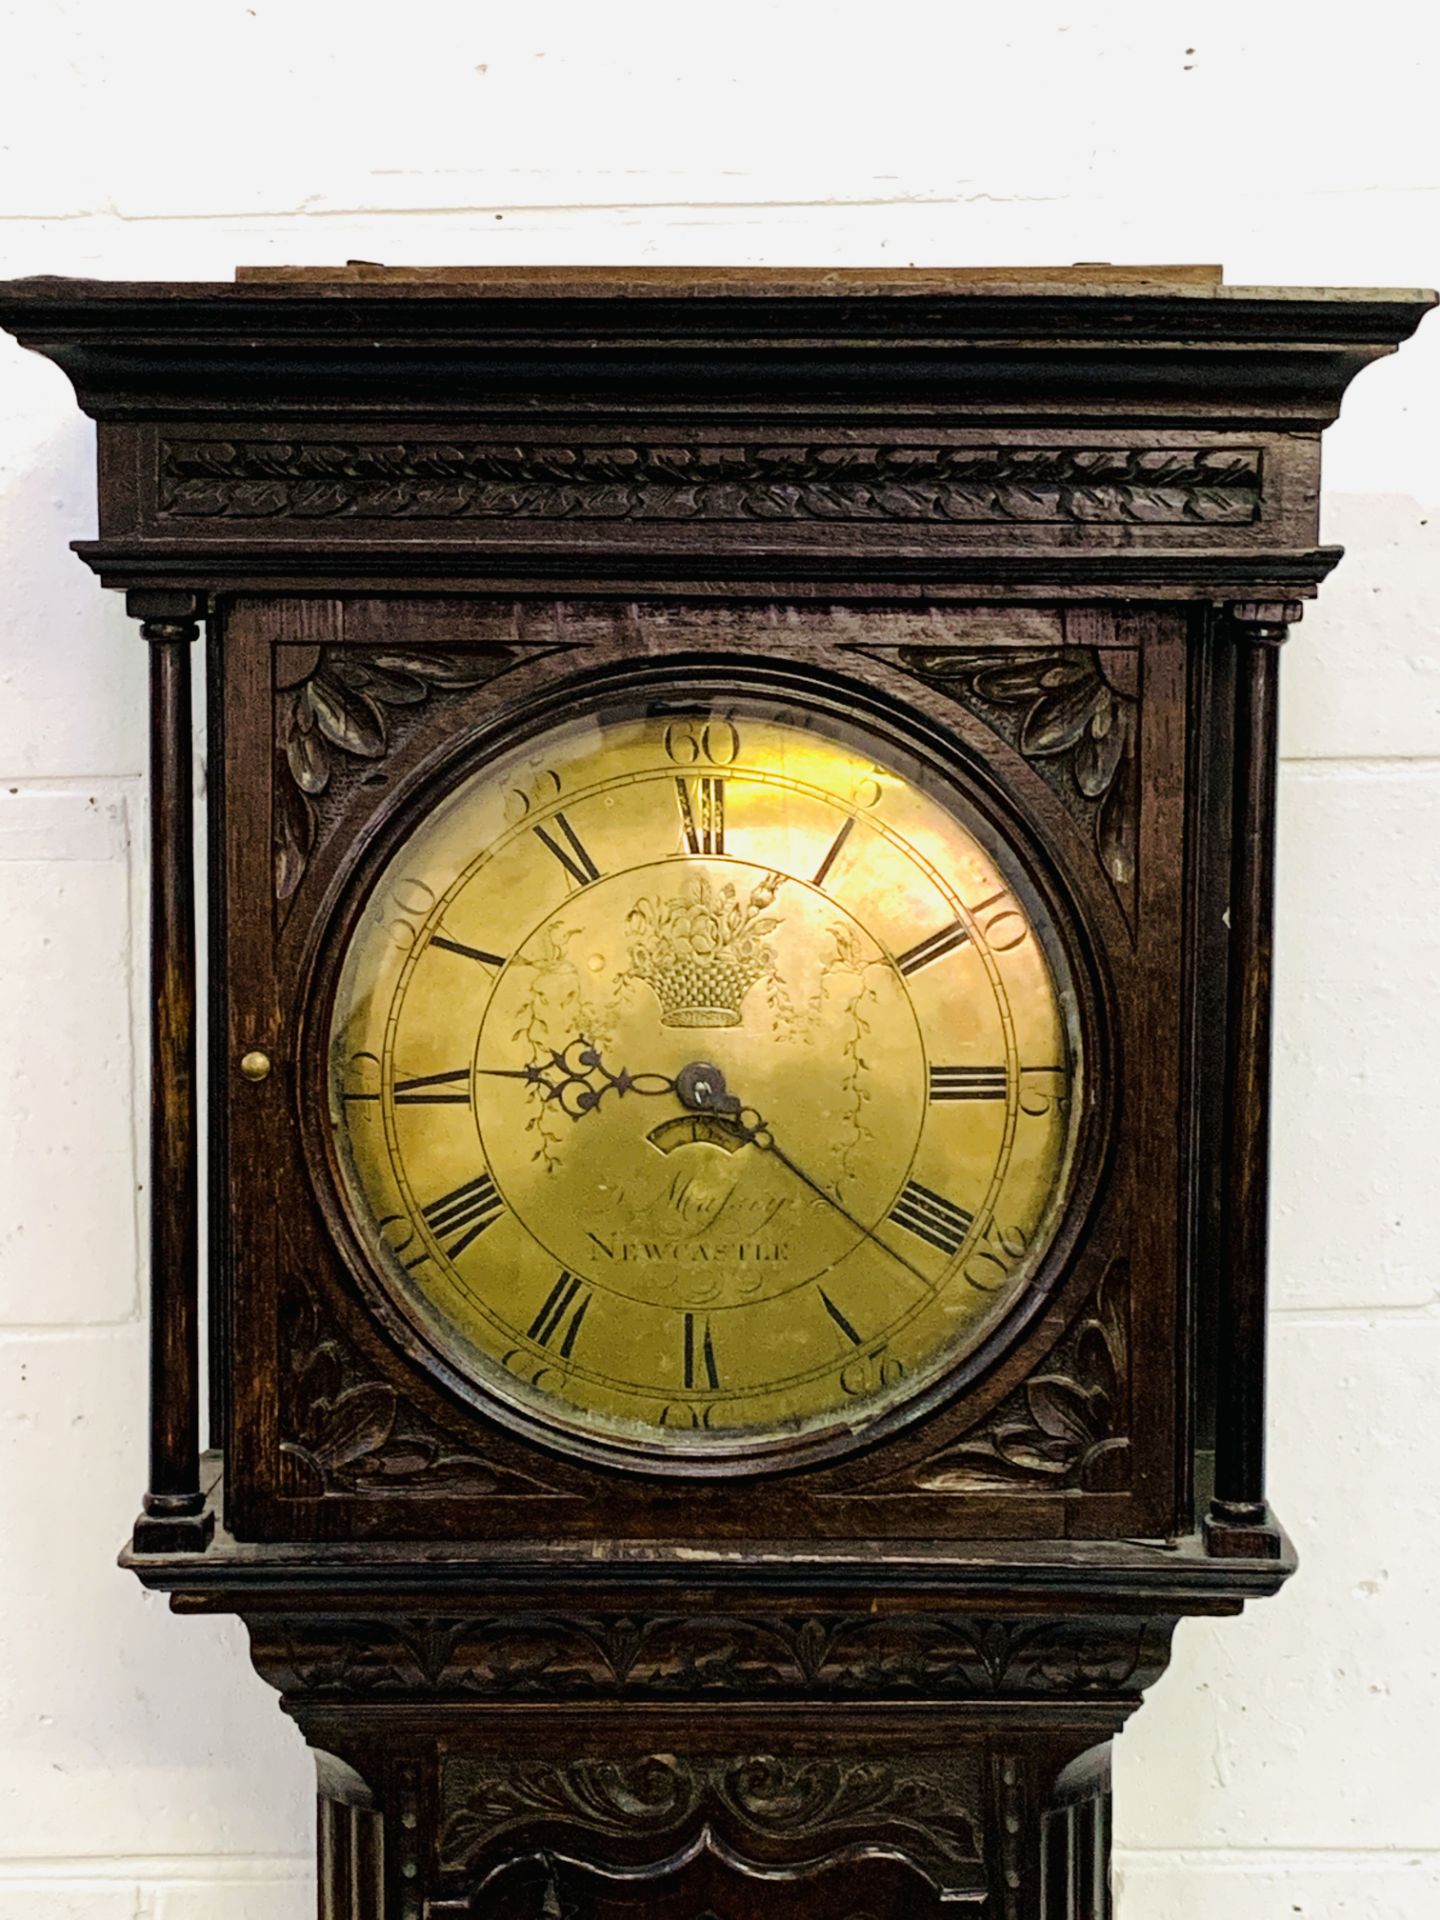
column 692, row 1086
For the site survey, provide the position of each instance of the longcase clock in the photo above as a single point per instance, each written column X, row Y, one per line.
column 740, row 843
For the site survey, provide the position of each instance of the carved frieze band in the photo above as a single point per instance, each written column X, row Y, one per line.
column 325, row 480
column 795, row 1807
column 795, row 1656
column 1074, row 713
column 1066, row 1426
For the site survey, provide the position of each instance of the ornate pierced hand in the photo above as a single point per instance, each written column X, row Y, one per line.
column 577, row 1079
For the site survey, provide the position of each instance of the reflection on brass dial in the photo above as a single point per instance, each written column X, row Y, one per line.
column 700, row 1079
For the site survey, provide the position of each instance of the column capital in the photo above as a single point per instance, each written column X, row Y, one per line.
column 1264, row 623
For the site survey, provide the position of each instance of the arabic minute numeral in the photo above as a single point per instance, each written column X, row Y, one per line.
column 1002, row 925
column 991, row 1264
column 870, row 1373
column 689, row 742
column 1044, row 1090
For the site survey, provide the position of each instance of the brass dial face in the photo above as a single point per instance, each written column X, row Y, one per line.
column 703, row 1079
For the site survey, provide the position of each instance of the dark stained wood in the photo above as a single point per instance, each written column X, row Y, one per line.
column 1239, row 1495
column 881, row 1680
column 175, row 1511
column 1076, row 1841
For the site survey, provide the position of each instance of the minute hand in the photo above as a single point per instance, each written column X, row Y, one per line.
column 760, row 1135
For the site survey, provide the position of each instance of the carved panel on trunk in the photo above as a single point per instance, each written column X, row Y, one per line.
column 776, row 1810
column 708, row 1881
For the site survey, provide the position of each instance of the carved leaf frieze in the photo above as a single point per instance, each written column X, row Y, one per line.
column 337, row 707
column 346, row 1433
column 1069, row 709
column 1063, row 1427
column 805, row 481
column 685, row 1656
column 798, row 1800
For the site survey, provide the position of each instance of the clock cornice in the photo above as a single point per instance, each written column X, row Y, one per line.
column 1075, row 433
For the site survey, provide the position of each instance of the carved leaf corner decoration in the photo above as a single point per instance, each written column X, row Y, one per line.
column 344, row 1434
column 1063, row 1427
column 335, row 705
column 1071, row 709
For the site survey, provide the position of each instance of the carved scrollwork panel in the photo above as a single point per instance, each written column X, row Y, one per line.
column 775, row 1808
column 707, row 1880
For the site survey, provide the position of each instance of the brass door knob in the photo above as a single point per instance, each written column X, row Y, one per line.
column 255, row 1065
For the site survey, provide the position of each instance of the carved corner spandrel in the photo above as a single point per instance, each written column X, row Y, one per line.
column 343, row 1431
column 1066, row 1426
column 1074, row 714
column 339, row 711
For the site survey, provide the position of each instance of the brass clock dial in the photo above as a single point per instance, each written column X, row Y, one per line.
column 702, row 1080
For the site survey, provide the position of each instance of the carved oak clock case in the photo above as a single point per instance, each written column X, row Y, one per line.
column 739, row 838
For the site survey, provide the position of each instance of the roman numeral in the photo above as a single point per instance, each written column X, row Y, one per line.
column 429, row 1090
column 566, row 1305
column 935, row 948
column 932, row 1218
column 576, row 862
column 702, row 814
column 838, row 1317
column 466, row 1212
column 700, row 1368
column 967, row 1083
column 833, row 852
column 485, row 959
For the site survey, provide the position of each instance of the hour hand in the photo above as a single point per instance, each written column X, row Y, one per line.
column 576, row 1079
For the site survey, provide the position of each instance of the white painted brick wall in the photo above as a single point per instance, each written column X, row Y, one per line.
column 1286, row 1765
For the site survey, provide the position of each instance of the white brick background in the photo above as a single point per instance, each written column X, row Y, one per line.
column 1286, row 1765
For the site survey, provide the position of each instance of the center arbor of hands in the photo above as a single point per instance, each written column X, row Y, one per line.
column 700, row 1081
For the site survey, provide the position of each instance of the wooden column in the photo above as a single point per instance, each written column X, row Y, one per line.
column 1076, row 1839
column 1239, row 1520
column 174, row 1514
column 349, row 1844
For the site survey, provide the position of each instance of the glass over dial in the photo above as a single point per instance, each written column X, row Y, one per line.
column 700, row 1080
